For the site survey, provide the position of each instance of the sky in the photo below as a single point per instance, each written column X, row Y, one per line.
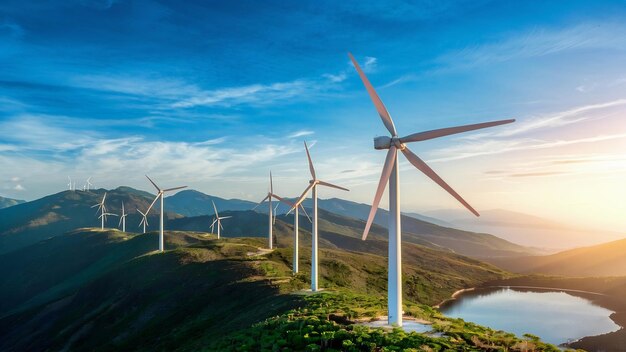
column 214, row 95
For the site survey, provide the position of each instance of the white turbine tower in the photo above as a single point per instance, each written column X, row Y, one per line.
column 160, row 193
column 313, row 183
column 144, row 220
column 218, row 220
column 294, row 207
column 102, row 209
column 268, row 197
column 123, row 219
column 390, row 174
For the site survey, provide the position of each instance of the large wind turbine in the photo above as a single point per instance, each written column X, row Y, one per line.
column 218, row 220
column 313, row 183
column 123, row 219
column 102, row 209
column 268, row 197
column 390, row 173
column 144, row 220
column 160, row 193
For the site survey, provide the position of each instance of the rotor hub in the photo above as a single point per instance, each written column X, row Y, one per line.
column 385, row 142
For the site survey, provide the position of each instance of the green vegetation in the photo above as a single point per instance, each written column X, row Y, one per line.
column 326, row 323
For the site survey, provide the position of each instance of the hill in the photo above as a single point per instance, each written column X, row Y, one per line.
column 608, row 259
column 525, row 229
column 194, row 203
column 191, row 296
column 9, row 202
column 28, row 223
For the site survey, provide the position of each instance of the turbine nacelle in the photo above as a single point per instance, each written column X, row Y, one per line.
column 385, row 142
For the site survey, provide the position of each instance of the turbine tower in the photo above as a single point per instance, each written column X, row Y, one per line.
column 160, row 193
column 103, row 211
column 144, row 220
column 123, row 219
column 390, row 174
column 294, row 207
column 218, row 220
column 313, row 183
column 269, row 196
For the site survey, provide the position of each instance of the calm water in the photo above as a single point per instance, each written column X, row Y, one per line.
column 554, row 316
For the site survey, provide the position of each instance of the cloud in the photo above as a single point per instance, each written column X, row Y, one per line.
column 15, row 179
column 301, row 133
column 19, row 187
column 537, row 42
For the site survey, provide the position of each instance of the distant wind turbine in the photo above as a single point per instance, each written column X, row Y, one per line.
column 69, row 185
column 268, row 197
column 313, row 183
column 123, row 219
column 144, row 220
column 390, row 174
column 218, row 220
column 160, row 193
column 294, row 207
column 89, row 184
column 103, row 211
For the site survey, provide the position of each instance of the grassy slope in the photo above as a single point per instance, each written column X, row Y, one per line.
column 187, row 297
column 608, row 259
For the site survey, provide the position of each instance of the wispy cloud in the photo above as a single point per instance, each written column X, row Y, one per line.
column 301, row 133
column 538, row 42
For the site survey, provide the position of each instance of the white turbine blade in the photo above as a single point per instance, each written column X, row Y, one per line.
column 225, row 217
column 308, row 155
column 154, row 184
column 390, row 160
column 305, row 213
column 380, row 107
column 213, row 223
column 423, row 167
column 282, row 200
column 154, row 201
column 123, row 212
column 120, row 223
column 104, row 197
column 422, row 136
column 220, row 225
column 303, row 195
column 141, row 212
column 95, row 205
column 271, row 183
column 261, row 202
column 215, row 209
column 331, row 185
column 173, row 189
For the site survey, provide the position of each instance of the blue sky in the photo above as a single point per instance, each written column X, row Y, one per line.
column 214, row 94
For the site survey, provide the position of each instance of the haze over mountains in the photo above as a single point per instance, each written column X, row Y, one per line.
column 9, row 202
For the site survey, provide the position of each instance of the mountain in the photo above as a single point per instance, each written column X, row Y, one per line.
column 608, row 259
column 193, row 203
column 9, row 202
column 196, row 293
column 31, row 222
column 525, row 229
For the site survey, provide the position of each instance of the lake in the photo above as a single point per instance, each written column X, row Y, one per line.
column 555, row 316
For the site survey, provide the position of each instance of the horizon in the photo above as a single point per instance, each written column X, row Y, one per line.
column 216, row 105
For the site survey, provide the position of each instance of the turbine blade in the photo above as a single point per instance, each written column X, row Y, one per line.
column 141, row 212
column 282, row 200
column 271, row 183
column 225, row 217
column 423, row 167
column 154, row 184
column 120, row 223
column 95, row 205
column 173, row 189
column 331, row 185
column 422, row 136
column 104, row 197
column 213, row 223
column 305, row 213
column 261, row 202
column 380, row 107
column 390, row 160
column 308, row 155
column 154, row 201
column 303, row 195
column 215, row 209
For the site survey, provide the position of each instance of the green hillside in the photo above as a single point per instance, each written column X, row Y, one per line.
column 201, row 291
column 608, row 259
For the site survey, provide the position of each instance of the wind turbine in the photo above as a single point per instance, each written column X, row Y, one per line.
column 218, row 220
column 144, row 220
column 390, row 173
column 160, row 193
column 269, row 196
column 102, row 209
column 294, row 207
column 89, row 184
column 123, row 219
column 313, row 183
column 69, row 185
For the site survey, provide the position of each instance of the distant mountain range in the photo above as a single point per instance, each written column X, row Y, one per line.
column 527, row 230
column 56, row 214
column 9, row 202
column 607, row 259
